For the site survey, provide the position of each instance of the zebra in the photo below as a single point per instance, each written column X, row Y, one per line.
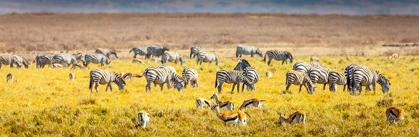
column 71, row 77
column 348, row 74
column 153, row 51
column 299, row 78
column 190, row 75
column 365, row 77
column 67, row 59
column 232, row 76
column 305, row 66
column 336, row 77
column 106, row 52
column 319, row 75
column 172, row 70
column 42, row 60
column 278, row 55
column 252, row 75
column 207, row 57
column 161, row 76
column 99, row 76
column 142, row 51
column 172, row 57
column 194, row 51
column 19, row 61
column 246, row 50
column 96, row 58
column 9, row 77
column 5, row 60
column 242, row 65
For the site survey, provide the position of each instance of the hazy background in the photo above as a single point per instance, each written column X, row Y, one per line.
column 350, row 7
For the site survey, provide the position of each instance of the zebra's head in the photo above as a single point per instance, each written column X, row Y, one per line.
column 217, row 62
column 258, row 52
column 290, row 57
column 178, row 82
column 384, row 82
column 120, row 81
column 114, row 53
column 182, row 61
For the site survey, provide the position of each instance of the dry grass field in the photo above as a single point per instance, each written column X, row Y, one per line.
column 45, row 102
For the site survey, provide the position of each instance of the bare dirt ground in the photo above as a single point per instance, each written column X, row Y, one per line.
column 303, row 35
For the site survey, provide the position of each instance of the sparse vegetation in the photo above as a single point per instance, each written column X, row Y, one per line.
column 45, row 102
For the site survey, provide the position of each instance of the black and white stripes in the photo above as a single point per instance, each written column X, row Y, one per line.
column 299, row 78
column 96, row 58
column 175, row 57
column 319, row 75
column 162, row 76
column 106, row 52
column 336, row 78
column 142, row 51
column 365, row 77
column 154, row 51
column 242, row 64
column 232, row 76
column 278, row 55
column 99, row 76
column 207, row 57
column 190, row 75
column 42, row 60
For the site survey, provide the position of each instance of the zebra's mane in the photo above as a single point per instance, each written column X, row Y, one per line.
column 245, row 61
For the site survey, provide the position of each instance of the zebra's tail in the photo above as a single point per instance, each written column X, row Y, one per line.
column 264, row 58
column 130, row 51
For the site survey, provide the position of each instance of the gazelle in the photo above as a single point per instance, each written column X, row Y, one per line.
column 254, row 102
column 393, row 56
column 143, row 119
column 226, row 105
column 231, row 117
column 130, row 75
column 268, row 74
column 201, row 102
column 297, row 117
column 394, row 114
column 71, row 77
column 137, row 61
column 56, row 65
column 314, row 59
column 9, row 77
column 74, row 66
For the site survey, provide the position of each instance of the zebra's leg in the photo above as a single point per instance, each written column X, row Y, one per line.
column 234, row 85
column 220, row 86
column 324, row 86
column 288, row 86
column 300, row 88
column 96, row 85
column 251, row 55
column 344, row 86
column 373, row 86
column 147, row 87
column 107, row 85
column 238, row 87
column 161, row 86
column 283, row 62
column 269, row 61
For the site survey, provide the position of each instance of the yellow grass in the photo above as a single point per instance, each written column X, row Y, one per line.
column 45, row 102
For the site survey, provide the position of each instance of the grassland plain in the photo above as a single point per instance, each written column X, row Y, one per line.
column 45, row 103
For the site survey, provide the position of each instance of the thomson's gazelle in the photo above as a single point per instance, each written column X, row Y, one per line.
column 201, row 102
column 254, row 102
column 226, row 105
column 394, row 114
column 231, row 117
column 297, row 117
column 143, row 119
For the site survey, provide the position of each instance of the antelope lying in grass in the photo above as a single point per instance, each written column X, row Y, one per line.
column 137, row 61
column 254, row 102
column 201, row 102
column 226, row 104
column 231, row 117
column 56, row 65
column 393, row 56
column 314, row 59
column 268, row 74
column 71, row 77
column 74, row 66
column 129, row 75
column 143, row 119
column 297, row 117
column 9, row 77
column 394, row 114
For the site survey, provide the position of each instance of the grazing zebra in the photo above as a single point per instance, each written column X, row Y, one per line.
column 252, row 75
column 99, row 76
column 143, row 119
column 142, row 51
column 242, row 64
column 207, row 57
column 19, row 61
column 190, row 75
column 139, row 61
column 348, row 74
column 106, row 52
column 295, row 118
column 393, row 56
column 247, row 50
column 71, row 77
column 232, row 76
column 153, row 51
column 268, row 74
column 231, row 117
column 161, row 76
column 5, row 60
column 299, row 78
column 67, row 59
column 172, row 57
column 194, row 51
column 96, row 59
column 175, row 76
column 305, row 66
column 74, row 66
column 278, row 55
column 314, row 59
column 394, row 114
column 365, row 77
column 319, row 75
column 336, row 78
column 42, row 60
column 9, row 77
